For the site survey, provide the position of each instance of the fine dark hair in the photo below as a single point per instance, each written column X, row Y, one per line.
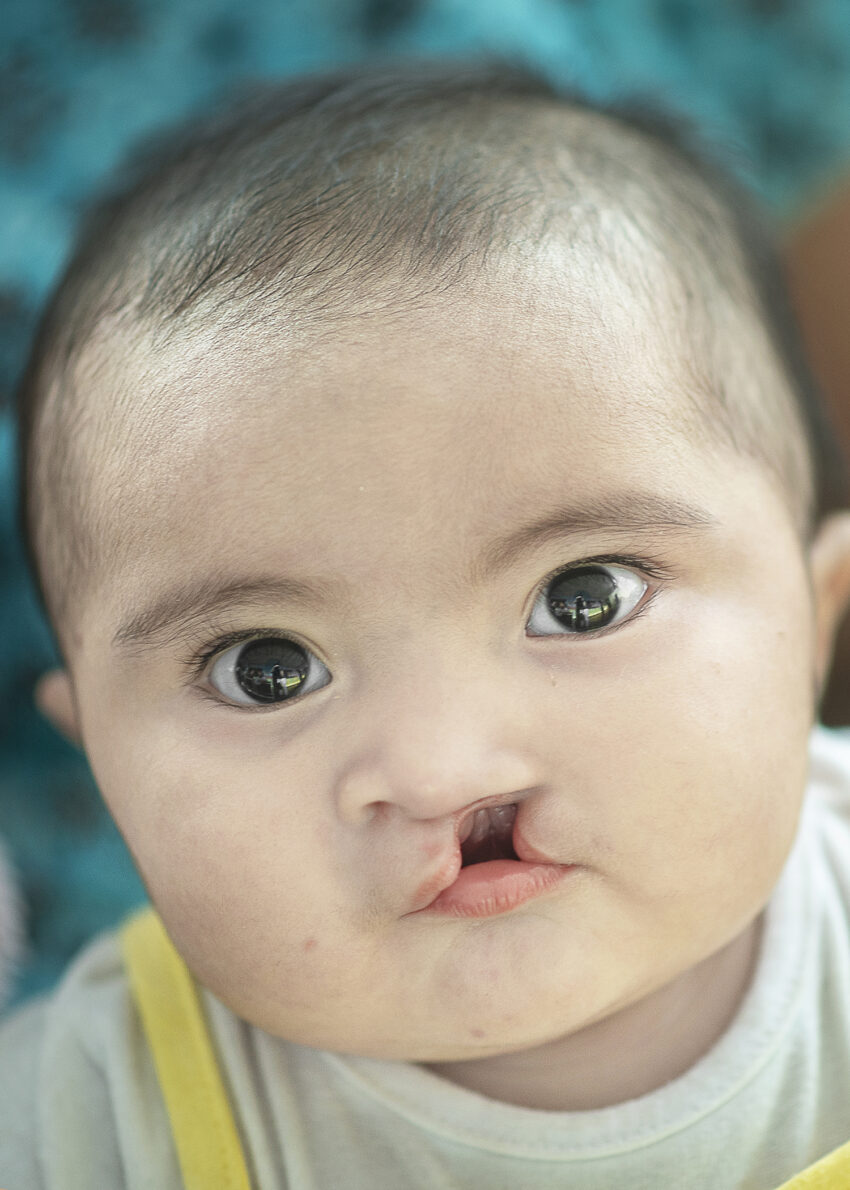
column 393, row 180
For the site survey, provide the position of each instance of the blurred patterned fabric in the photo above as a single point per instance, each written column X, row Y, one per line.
column 766, row 80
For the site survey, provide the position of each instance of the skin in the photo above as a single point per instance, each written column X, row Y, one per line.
column 665, row 756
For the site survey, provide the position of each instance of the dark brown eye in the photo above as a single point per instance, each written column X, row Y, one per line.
column 269, row 670
column 584, row 599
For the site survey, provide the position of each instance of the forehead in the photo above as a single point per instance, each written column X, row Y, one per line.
column 406, row 429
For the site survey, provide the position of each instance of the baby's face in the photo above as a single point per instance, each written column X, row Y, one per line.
column 483, row 563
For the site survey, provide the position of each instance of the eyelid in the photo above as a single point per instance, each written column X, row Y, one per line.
column 203, row 651
column 648, row 567
column 205, row 658
column 224, row 681
column 653, row 567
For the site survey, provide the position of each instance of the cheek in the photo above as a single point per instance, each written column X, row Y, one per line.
column 230, row 849
column 687, row 764
column 245, row 892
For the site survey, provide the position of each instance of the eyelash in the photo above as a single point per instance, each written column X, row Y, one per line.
column 196, row 660
column 653, row 569
column 200, row 653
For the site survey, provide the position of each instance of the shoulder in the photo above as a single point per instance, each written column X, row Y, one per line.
column 74, row 1067
column 829, row 766
column 826, row 814
column 20, row 1047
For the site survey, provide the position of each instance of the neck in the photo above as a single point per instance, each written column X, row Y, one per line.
column 633, row 1052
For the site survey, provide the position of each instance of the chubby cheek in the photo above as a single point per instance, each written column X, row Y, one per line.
column 241, row 899
column 688, row 789
column 239, row 877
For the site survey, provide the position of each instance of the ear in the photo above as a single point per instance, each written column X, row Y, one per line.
column 830, row 570
column 54, row 697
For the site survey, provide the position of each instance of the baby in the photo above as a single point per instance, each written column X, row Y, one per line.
column 445, row 549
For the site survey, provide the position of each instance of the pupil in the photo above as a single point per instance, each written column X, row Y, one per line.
column 584, row 598
column 272, row 670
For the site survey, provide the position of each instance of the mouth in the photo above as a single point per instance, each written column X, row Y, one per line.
column 487, row 834
column 495, row 870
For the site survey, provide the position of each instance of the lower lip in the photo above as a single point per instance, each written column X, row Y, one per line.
column 498, row 886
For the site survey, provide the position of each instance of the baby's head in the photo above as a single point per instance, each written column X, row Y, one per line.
column 414, row 452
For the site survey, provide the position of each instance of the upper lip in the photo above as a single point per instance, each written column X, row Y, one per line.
column 525, row 850
column 452, row 860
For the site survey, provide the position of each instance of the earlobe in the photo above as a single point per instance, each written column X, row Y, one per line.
column 54, row 697
column 830, row 571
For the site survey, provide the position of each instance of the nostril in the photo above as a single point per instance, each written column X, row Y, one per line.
column 489, row 835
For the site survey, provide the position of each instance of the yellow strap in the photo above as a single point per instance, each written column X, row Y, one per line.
column 832, row 1172
column 205, row 1135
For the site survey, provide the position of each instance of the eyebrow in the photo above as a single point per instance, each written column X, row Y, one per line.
column 172, row 615
column 630, row 511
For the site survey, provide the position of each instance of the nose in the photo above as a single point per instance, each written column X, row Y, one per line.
column 431, row 747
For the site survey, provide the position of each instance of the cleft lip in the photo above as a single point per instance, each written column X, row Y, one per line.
column 452, row 860
column 507, row 814
column 497, row 811
column 491, row 835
